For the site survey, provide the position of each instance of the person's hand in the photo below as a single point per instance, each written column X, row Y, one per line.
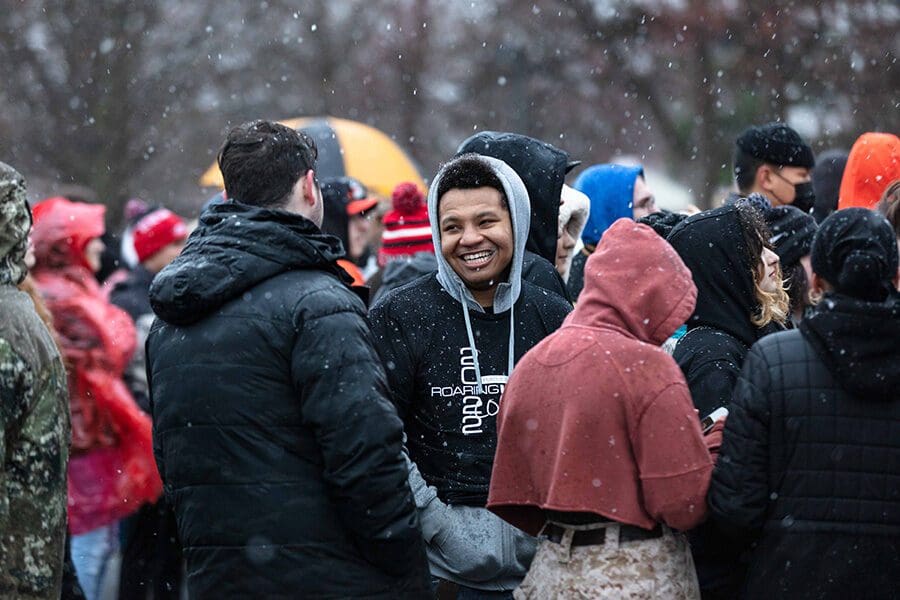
column 713, row 437
column 468, row 541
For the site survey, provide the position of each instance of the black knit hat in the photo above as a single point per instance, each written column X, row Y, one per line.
column 778, row 144
column 663, row 222
column 792, row 234
column 855, row 250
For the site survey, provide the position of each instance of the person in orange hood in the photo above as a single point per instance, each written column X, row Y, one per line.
column 111, row 469
column 874, row 162
column 598, row 445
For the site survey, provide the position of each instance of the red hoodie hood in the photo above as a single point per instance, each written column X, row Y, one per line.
column 874, row 162
column 635, row 282
column 62, row 230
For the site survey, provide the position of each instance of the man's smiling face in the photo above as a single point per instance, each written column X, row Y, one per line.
column 476, row 236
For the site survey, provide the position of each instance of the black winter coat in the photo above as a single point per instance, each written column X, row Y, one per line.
column 133, row 294
column 810, row 464
column 278, row 448
column 540, row 272
column 576, row 274
column 720, row 333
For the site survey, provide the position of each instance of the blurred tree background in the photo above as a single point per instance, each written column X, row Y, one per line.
column 132, row 98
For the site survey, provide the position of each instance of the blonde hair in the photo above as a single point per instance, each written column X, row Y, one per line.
column 773, row 306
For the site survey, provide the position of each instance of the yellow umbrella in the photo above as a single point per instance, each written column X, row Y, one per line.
column 349, row 148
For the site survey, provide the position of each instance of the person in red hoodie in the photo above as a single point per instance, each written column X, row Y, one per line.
column 874, row 163
column 599, row 448
column 111, row 468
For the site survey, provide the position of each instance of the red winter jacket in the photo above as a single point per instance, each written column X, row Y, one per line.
column 111, row 468
column 597, row 418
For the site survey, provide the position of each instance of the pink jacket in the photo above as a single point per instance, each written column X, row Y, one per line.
column 111, row 467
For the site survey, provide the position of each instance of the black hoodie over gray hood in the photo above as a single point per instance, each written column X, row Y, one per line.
column 542, row 168
column 234, row 248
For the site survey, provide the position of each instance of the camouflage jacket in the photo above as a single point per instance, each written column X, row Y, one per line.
column 34, row 439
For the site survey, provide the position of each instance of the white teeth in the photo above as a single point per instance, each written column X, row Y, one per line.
column 476, row 256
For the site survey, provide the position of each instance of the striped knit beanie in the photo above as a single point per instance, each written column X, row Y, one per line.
column 406, row 227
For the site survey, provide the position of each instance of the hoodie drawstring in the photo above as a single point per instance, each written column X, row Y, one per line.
column 512, row 341
column 478, row 388
column 511, row 356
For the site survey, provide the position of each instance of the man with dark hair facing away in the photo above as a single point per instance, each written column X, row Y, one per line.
column 272, row 429
column 447, row 370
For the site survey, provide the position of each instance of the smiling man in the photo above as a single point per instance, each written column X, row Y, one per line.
column 449, row 341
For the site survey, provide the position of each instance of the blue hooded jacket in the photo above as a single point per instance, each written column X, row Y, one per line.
column 611, row 191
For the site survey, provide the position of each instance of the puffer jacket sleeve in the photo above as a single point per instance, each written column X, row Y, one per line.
column 344, row 400
column 739, row 492
column 673, row 461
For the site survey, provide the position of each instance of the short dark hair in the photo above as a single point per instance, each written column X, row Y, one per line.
column 745, row 167
column 261, row 162
column 468, row 172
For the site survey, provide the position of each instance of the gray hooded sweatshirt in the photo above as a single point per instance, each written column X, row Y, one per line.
column 468, row 544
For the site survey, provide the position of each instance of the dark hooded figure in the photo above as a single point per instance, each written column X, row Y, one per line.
column 740, row 299
column 810, row 465
column 542, row 168
column 826, row 180
column 722, row 248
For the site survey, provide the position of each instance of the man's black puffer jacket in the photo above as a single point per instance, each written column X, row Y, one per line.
column 810, row 464
column 278, row 448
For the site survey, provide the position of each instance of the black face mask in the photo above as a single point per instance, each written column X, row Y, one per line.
column 804, row 196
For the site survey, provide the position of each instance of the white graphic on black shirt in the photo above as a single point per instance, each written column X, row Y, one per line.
column 475, row 408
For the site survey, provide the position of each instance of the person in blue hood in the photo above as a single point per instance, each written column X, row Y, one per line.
column 449, row 342
column 616, row 192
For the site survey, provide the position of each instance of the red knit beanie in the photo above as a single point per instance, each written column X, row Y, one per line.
column 157, row 230
column 406, row 228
